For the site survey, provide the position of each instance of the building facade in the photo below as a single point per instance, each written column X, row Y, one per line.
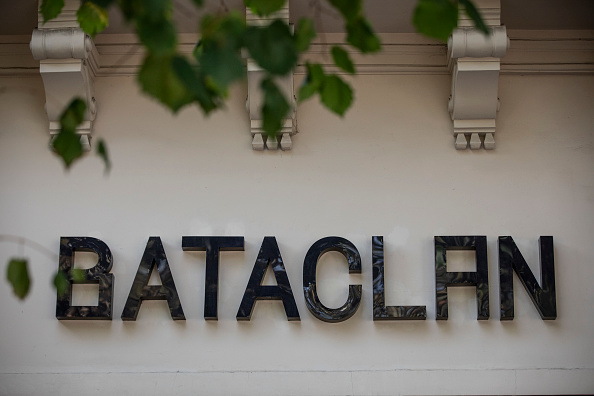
column 393, row 166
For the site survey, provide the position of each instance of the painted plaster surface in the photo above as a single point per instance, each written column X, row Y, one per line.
column 388, row 168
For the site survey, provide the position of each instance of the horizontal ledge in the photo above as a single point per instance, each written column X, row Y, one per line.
column 314, row 371
column 323, row 382
column 531, row 52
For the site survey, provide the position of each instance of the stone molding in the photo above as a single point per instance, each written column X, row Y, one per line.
column 532, row 52
column 474, row 61
column 67, row 64
column 562, row 52
column 255, row 96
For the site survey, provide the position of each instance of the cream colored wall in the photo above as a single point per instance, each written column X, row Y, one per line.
column 388, row 168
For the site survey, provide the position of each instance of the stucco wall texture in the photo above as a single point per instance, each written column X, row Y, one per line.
column 387, row 168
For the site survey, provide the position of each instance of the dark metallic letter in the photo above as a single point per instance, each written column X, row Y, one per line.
column 269, row 255
column 544, row 298
column 350, row 252
column 443, row 278
column 140, row 290
column 380, row 311
column 212, row 245
column 97, row 274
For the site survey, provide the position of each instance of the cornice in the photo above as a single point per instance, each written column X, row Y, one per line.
column 549, row 52
column 531, row 52
column 16, row 58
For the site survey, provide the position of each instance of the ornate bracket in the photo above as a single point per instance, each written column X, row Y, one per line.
column 68, row 62
column 255, row 95
column 474, row 60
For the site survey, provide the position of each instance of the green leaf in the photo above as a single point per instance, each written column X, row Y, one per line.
column 313, row 81
column 272, row 47
column 150, row 11
column 195, row 82
column 158, row 79
column 18, row 276
column 73, row 115
column 61, row 283
column 306, row 91
column 264, row 7
column 274, row 108
column 475, row 15
column 342, row 59
column 68, row 146
column 50, row 9
column 67, row 143
column 304, row 34
column 62, row 280
column 361, row 36
column 92, row 18
column 129, row 8
column 103, row 3
column 198, row 3
column 159, row 36
column 223, row 65
column 350, row 9
column 78, row 275
column 197, row 51
column 336, row 94
column 103, row 154
column 436, row 18
column 218, row 52
column 225, row 30
column 155, row 10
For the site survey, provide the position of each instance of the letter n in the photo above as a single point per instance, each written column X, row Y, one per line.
column 543, row 296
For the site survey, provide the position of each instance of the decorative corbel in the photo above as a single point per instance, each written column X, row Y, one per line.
column 68, row 62
column 254, row 100
column 474, row 60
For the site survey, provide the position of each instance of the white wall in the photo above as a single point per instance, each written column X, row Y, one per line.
column 388, row 168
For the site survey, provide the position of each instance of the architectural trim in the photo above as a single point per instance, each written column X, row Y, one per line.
column 16, row 58
column 474, row 59
column 561, row 52
column 67, row 64
column 255, row 95
column 531, row 52
column 549, row 52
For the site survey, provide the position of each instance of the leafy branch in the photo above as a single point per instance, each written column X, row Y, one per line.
column 218, row 61
column 438, row 18
column 17, row 271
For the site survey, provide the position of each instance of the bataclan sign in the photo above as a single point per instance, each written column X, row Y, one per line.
column 510, row 260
